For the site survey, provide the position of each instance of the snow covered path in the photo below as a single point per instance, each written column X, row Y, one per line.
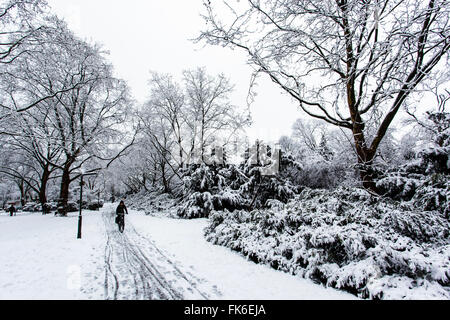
column 137, row 270
column 227, row 273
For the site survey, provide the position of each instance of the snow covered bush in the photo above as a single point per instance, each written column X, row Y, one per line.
column 347, row 239
column 231, row 187
column 423, row 178
column 320, row 174
column 428, row 192
column 421, row 181
column 434, row 194
column 153, row 203
column 200, row 182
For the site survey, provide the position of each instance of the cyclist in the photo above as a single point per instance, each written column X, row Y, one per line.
column 120, row 212
column 12, row 210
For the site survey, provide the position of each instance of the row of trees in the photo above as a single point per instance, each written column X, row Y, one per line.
column 352, row 65
column 63, row 113
column 180, row 125
column 349, row 64
column 62, row 110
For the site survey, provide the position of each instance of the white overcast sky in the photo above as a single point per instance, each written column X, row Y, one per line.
column 154, row 35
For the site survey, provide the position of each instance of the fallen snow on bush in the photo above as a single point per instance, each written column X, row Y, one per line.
column 153, row 204
column 346, row 239
column 232, row 188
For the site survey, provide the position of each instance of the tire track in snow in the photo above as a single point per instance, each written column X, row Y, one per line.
column 194, row 281
column 137, row 270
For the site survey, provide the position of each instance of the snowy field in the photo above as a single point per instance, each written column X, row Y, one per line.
column 42, row 259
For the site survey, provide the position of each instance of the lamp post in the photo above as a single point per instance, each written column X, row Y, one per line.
column 80, row 216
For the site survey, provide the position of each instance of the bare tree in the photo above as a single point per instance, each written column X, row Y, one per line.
column 158, row 143
column 20, row 171
column 180, row 122
column 437, row 121
column 32, row 142
column 211, row 115
column 20, row 22
column 168, row 100
column 25, row 26
column 351, row 63
column 309, row 133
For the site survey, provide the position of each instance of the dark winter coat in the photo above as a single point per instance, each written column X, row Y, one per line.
column 121, row 210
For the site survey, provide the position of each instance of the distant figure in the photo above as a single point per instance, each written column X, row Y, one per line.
column 120, row 218
column 12, row 210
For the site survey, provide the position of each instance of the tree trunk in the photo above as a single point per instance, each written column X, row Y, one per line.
column 366, row 170
column 181, row 153
column 22, row 192
column 203, row 143
column 365, row 155
column 43, row 189
column 164, row 179
column 144, row 181
column 64, row 192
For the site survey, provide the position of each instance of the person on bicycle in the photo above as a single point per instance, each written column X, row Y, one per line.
column 120, row 212
column 12, row 210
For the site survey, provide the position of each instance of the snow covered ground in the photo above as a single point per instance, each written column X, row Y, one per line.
column 42, row 259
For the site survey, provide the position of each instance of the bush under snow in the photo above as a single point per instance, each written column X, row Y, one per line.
column 153, row 204
column 347, row 239
column 208, row 188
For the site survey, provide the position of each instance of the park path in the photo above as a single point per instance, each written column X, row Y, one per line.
column 137, row 270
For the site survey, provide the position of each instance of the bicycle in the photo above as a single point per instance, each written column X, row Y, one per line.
column 120, row 220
